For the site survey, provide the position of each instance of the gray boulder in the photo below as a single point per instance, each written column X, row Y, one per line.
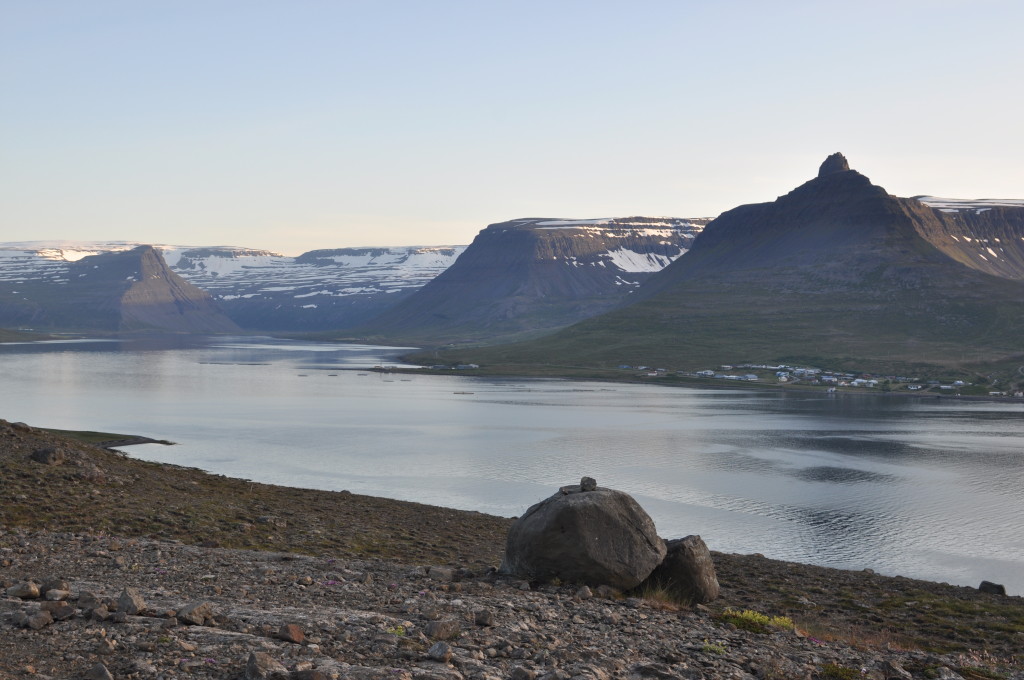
column 49, row 456
column 688, row 573
column 992, row 588
column 596, row 537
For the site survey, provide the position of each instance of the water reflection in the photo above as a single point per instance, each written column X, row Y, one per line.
column 897, row 484
column 839, row 475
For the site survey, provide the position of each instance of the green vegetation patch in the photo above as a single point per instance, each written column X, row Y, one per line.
column 755, row 622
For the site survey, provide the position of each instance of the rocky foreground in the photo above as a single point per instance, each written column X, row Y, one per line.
column 115, row 568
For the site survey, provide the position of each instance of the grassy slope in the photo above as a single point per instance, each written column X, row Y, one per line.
column 7, row 335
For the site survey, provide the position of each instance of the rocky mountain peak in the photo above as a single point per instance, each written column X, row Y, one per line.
column 835, row 163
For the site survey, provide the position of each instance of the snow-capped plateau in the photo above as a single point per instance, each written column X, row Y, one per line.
column 260, row 289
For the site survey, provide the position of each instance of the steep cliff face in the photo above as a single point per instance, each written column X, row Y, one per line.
column 837, row 272
column 987, row 235
column 531, row 275
column 122, row 291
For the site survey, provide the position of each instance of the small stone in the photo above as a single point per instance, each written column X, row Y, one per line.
column 48, row 456
column 88, row 600
column 130, row 602
column 893, row 670
column 440, row 651
column 26, row 590
column 57, row 595
column 588, row 484
column 291, row 632
column 993, row 588
column 309, row 674
column 99, row 672
column 483, row 617
column 100, row 613
column 585, row 593
column 441, row 573
column 106, row 646
column 262, row 666
column 39, row 620
column 195, row 614
column 442, row 630
column 55, row 584
column 59, row 610
column 520, row 673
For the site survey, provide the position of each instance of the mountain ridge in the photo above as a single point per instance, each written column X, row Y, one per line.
column 837, row 270
column 130, row 290
column 531, row 275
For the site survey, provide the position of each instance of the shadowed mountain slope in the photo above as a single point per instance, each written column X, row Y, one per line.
column 836, row 272
column 530, row 276
column 119, row 291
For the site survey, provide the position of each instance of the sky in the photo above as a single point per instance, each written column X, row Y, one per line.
column 292, row 125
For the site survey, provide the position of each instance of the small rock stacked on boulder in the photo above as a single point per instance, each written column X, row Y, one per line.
column 602, row 537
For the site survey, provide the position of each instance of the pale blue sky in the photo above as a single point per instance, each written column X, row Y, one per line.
column 301, row 124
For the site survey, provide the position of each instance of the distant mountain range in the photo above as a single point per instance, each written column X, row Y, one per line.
column 257, row 289
column 127, row 290
column 529, row 276
column 836, row 273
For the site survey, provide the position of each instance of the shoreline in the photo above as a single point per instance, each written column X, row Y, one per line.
column 102, row 520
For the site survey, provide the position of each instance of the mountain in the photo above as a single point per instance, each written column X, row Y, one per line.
column 318, row 290
column 118, row 291
column 259, row 289
column 984, row 234
column 837, row 273
column 528, row 276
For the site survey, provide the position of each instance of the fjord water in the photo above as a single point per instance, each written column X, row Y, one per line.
column 922, row 487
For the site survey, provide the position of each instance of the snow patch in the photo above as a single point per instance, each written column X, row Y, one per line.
column 979, row 204
column 632, row 261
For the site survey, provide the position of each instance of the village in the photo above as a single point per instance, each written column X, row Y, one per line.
column 785, row 375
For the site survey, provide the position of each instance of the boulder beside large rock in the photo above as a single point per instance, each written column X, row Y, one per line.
column 688, row 573
column 596, row 537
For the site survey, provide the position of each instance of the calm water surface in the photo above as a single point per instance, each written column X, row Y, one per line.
column 915, row 486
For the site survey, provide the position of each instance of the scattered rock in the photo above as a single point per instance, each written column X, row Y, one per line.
column 59, row 610
column 195, row 614
column 99, row 672
column 441, row 573
column 291, row 632
column 440, row 651
column 442, row 630
column 588, row 484
column 520, row 673
column 600, row 537
column 992, row 588
column 49, row 456
column 130, row 602
column 687, row 572
column 26, row 590
column 262, row 666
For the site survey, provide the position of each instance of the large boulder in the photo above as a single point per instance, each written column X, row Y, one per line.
column 584, row 534
column 687, row 574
